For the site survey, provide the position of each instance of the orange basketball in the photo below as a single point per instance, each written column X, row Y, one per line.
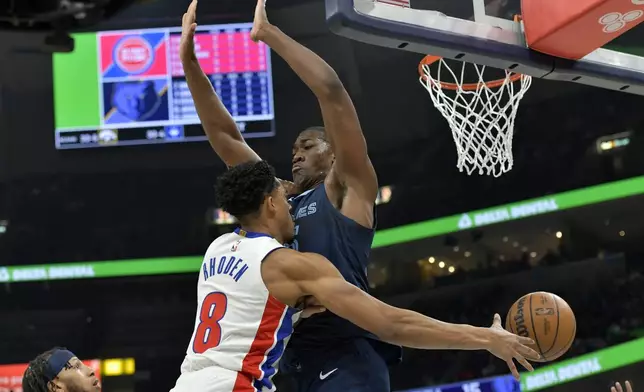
column 545, row 318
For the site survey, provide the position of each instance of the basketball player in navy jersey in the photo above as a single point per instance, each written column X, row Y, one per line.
column 335, row 189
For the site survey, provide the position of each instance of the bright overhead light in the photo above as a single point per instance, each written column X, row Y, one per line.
column 505, row 239
column 468, row 253
column 441, row 265
column 622, row 233
column 558, row 234
column 451, row 270
column 431, row 260
column 533, row 254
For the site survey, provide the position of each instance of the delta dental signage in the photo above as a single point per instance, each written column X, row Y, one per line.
column 100, row 269
column 514, row 211
column 507, row 213
column 584, row 366
column 53, row 272
column 562, row 374
column 389, row 237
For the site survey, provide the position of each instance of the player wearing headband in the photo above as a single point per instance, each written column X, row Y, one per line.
column 59, row 370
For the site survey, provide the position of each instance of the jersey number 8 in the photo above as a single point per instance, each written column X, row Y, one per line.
column 208, row 334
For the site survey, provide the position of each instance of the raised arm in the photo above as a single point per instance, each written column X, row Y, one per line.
column 352, row 165
column 290, row 275
column 221, row 129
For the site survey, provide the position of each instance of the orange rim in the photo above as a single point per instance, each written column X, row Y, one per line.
column 429, row 60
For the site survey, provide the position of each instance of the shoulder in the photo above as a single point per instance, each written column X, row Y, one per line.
column 295, row 264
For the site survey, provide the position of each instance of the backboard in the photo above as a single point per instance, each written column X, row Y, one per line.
column 482, row 32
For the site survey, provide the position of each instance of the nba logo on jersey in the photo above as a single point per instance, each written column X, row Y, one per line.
column 134, row 55
column 235, row 246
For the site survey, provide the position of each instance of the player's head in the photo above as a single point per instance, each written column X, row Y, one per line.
column 253, row 195
column 58, row 370
column 312, row 158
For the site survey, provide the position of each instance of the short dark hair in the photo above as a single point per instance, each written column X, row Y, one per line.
column 241, row 190
column 318, row 129
column 35, row 377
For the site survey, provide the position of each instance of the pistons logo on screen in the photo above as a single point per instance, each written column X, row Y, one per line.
column 133, row 55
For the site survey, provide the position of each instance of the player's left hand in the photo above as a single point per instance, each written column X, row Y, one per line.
column 313, row 306
column 618, row 387
column 260, row 23
column 188, row 28
column 289, row 187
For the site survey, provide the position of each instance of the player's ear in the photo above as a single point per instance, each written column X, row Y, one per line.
column 270, row 203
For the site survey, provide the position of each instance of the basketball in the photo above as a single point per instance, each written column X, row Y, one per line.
column 545, row 318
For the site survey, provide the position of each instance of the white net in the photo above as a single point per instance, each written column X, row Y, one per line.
column 481, row 116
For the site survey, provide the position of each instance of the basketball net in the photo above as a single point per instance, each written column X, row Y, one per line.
column 481, row 115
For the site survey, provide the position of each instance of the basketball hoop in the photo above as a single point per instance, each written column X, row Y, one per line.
column 481, row 115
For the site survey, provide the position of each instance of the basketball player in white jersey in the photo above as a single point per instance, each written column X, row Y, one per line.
column 250, row 288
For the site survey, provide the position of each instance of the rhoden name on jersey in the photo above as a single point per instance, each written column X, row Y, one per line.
column 239, row 326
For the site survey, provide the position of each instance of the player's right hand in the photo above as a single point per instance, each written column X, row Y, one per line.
column 618, row 387
column 188, row 27
column 508, row 347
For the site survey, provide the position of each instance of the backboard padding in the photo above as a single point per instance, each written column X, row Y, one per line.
column 431, row 32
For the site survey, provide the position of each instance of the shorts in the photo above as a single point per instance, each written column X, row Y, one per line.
column 354, row 366
column 213, row 379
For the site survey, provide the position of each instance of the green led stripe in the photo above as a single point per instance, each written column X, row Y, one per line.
column 101, row 269
column 583, row 366
column 514, row 211
column 398, row 235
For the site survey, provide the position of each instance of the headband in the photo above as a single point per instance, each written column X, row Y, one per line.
column 57, row 362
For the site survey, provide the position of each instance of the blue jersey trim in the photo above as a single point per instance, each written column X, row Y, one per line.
column 285, row 330
column 250, row 234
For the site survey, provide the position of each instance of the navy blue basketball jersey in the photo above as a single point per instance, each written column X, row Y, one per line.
column 320, row 228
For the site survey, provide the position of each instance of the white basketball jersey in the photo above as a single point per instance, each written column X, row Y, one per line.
column 239, row 325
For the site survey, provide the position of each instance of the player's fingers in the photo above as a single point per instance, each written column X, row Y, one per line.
column 618, row 387
column 629, row 388
column 612, row 389
column 193, row 28
column 525, row 341
column 513, row 369
column 528, row 352
column 497, row 320
column 311, row 310
column 521, row 359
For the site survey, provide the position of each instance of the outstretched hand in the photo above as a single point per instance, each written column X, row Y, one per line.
column 260, row 23
column 618, row 387
column 188, row 27
column 508, row 347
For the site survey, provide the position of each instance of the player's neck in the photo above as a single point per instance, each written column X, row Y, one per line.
column 259, row 227
column 307, row 186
